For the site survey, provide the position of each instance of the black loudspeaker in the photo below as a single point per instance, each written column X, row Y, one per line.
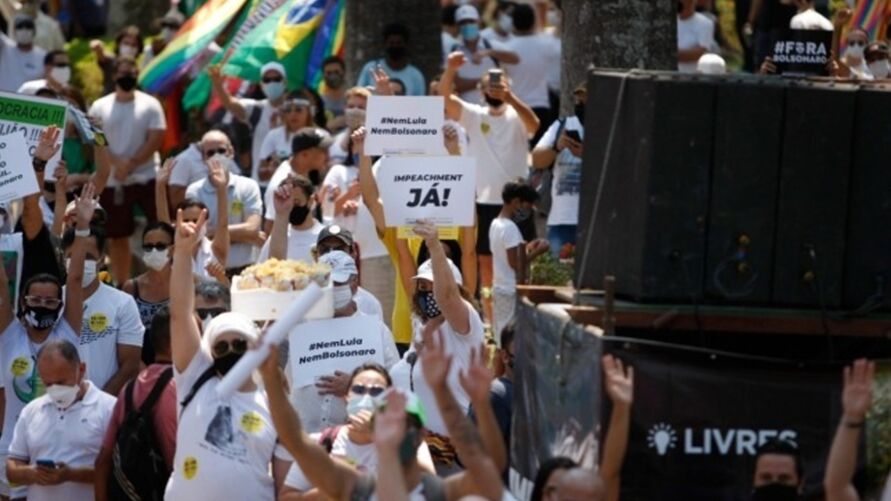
column 748, row 141
column 813, row 195
column 650, row 228
column 868, row 251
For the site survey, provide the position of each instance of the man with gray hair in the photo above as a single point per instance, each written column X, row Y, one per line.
column 58, row 436
column 212, row 299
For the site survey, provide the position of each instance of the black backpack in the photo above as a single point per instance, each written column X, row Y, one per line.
column 139, row 470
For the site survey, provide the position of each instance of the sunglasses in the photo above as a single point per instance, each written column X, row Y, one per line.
column 271, row 79
column 46, row 302
column 361, row 389
column 151, row 247
column 218, row 151
column 236, row 346
column 61, row 65
column 210, row 312
column 857, row 43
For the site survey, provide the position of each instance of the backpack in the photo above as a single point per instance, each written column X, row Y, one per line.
column 139, row 470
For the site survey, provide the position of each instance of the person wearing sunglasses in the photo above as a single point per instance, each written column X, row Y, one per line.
column 352, row 442
column 297, row 111
column 151, row 290
column 56, row 74
column 41, row 316
column 226, row 447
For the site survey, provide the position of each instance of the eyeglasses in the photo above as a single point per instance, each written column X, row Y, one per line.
column 46, row 302
column 218, row 151
column 271, row 79
column 361, row 389
column 151, row 247
column 210, row 312
column 236, row 346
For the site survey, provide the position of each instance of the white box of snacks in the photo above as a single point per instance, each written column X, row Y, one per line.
column 264, row 291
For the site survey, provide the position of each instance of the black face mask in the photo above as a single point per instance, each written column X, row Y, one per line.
column 580, row 112
column 427, row 304
column 396, row 53
column 126, row 83
column 41, row 318
column 224, row 364
column 298, row 215
column 775, row 492
column 491, row 101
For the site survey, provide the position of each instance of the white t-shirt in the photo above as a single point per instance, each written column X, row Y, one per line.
column 458, row 346
column 504, row 234
column 268, row 115
column 18, row 66
column 810, row 20
column 281, row 173
column 190, row 167
column 362, row 456
column 530, row 76
column 493, row 36
column 223, row 446
column 277, row 142
column 126, row 125
column 471, row 71
column 243, row 195
column 203, row 257
column 337, row 152
column 32, row 86
column 367, row 304
column 300, row 243
column 567, row 178
column 695, row 31
column 361, row 225
column 18, row 361
column 72, row 436
column 110, row 318
column 500, row 146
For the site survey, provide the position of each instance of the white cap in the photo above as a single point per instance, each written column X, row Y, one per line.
column 230, row 322
column 342, row 265
column 425, row 271
column 467, row 13
column 275, row 66
column 711, row 64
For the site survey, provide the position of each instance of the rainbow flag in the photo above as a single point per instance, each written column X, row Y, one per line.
column 299, row 34
column 193, row 37
column 869, row 15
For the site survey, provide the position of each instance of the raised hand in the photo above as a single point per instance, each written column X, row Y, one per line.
column 60, row 174
column 857, row 392
column 434, row 360
column 842, row 18
column 426, row 230
column 188, row 235
column 618, row 381
column 215, row 72
column 217, row 271
column 283, row 199
column 381, row 82
column 358, row 138
column 477, row 378
column 455, row 60
column 389, row 422
column 337, row 384
column 48, row 144
column 85, row 205
column 362, row 422
column 218, row 174
column 450, row 138
column 164, row 172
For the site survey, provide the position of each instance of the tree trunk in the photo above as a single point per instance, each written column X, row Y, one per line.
column 365, row 21
column 615, row 34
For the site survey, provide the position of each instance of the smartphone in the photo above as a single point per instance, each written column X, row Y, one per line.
column 574, row 135
column 495, row 76
column 46, row 463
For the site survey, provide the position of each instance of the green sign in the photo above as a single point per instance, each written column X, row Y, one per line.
column 31, row 110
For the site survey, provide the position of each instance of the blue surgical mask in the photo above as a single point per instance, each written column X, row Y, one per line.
column 470, row 31
column 363, row 403
column 273, row 90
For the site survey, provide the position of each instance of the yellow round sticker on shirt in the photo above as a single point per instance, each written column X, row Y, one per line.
column 98, row 322
column 237, row 207
column 251, row 422
column 484, row 127
column 190, row 467
column 20, row 366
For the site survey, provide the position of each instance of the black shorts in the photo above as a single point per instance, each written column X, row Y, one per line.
column 121, row 222
column 485, row 214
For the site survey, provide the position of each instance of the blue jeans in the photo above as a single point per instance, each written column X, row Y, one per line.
column 559, row 235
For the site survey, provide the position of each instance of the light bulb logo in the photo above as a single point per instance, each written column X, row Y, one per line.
column 662, row 437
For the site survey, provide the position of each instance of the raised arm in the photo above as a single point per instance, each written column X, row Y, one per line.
column 219, row 179
column 477, row 382
column 842, row 461
column 371, row 197
column 162, row 207
column 453, row 104
column 278, row 239
column 389, row 431
column 48, row 145
column 502, row 91
column 103, row 168
column 61, row 202
column 74, row 293
column 185, row 339
column 839, row 23
column 230, row 103
column 445, row 289
column 619, row 386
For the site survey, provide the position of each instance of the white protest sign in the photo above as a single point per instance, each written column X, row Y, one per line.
column 321, row 347
column 404, row 125
column 440, row 189
column 27, row 116
column 17, row 178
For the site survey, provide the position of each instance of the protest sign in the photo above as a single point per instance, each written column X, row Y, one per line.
column 17, row 178
column 440, row 189
column 404, row 125
column 321, row 347
column 28, row 116
column 802, row 52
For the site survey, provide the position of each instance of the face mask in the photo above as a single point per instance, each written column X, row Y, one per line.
column 273, row 90
column 580, row 112
column 553, row 18
column 522, row 214
column 491, row 101
column 225, row 363
column 505, row 22
column 61, row 395
column 61, row 75
column 167, row 34
column 155, row 259
column 334, row 81
column 24, row 37
column 228, row 162
column 41, row 318
column 89, row 271
column 427, row 303
column 855, row 51
column 408, row 449
column 880, row 69
column 365, row 403
column 775, row 492
column 343, row 294
column 355, row 118
column 396, row 53
column 470, row 31
column 126, row 83
column 127, row 50
column 298, row 215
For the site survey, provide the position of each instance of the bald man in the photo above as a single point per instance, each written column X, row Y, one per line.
column 580, row 484
column 189, row 167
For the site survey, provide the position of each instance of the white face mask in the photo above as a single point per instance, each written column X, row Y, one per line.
column 363, row 403
column 505, row 22
column 273, row 90
column 127, row 50
column 24, row 37
column 155, row 259
column 90, row 272
column 61, row 395
column 880, row 69
column 343, row 294
column 855, row 51
column 61, row 75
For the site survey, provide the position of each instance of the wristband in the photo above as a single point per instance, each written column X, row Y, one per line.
column 38, row 164
column 82, row 233
column 853, row 425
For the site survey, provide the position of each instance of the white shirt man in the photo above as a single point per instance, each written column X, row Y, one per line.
column 810, row 19
column 504, row 234
column 529, row 77
column 694, row 31
column 19, row 63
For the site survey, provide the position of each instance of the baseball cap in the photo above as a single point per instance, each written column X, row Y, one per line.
column 338, row 232
column 230, row 322
column 342, row 265
column 425, row 271
column 274, row 66
column 310, row 137
column 467, row 13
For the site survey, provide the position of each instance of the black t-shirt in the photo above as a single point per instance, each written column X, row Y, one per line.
column 775, row 16
column 40, row 255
